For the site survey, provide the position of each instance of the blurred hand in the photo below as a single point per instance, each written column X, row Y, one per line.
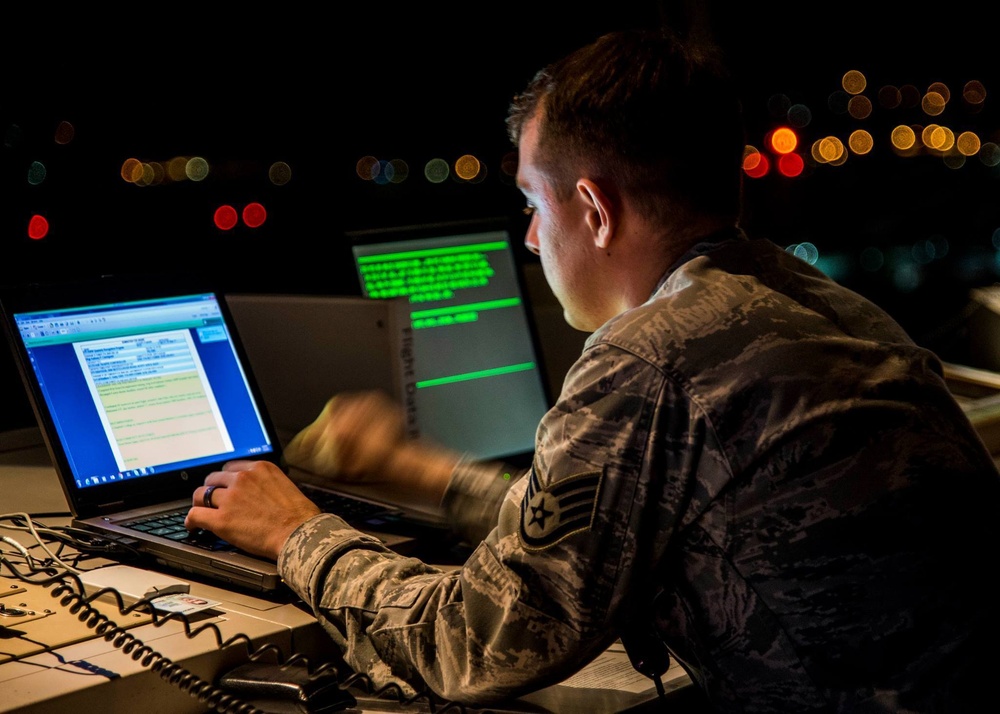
column 360, row 437
column 255, row 507
column 355, row 438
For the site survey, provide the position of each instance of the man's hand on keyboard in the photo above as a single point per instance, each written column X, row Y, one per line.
column 254, row 506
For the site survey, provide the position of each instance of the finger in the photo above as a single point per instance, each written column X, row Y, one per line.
column 206, row 518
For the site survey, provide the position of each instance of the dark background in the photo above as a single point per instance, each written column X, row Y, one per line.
column 319, row 89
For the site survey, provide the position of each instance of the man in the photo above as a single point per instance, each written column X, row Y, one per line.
column 747, row 463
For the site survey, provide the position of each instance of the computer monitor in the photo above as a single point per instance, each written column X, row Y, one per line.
column 477, row 383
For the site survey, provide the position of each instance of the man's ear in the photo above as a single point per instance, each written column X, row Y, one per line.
column 602, row 213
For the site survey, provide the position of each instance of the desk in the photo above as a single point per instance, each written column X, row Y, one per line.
column 93, row 674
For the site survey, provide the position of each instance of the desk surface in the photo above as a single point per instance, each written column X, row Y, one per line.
column 51, row 661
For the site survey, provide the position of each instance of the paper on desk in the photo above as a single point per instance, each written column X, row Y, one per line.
column 613, row 670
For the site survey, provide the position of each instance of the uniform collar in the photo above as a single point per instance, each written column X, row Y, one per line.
column 705, row 245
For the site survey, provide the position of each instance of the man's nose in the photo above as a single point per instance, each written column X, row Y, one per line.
column 531, row 240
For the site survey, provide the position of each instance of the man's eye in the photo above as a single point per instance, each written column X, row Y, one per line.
column 528, row 210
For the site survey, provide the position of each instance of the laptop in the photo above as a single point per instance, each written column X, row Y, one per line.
column 477, row 382
column 350, row 343
column 141, row 388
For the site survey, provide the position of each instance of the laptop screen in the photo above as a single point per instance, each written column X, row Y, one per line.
column 136, row 389
column 476, row 380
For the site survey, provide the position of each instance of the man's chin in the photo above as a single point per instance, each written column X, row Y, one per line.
column 577, row 323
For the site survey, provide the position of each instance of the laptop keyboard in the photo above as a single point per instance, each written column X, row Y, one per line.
column 170, row 524
column 352, row 510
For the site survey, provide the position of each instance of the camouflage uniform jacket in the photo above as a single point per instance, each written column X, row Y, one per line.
column 757, row 465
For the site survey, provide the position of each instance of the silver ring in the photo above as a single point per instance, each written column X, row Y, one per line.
column 207, row 496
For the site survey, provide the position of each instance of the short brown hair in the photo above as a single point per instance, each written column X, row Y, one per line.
column 657, row 116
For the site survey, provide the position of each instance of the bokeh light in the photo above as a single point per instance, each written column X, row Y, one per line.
column 854, row 82
column 196, row 168
column 790, row 165
column 64, row 133
column 859, row 107
column 254, row 215
column 38, row 227
column 861, row 142
column 279, row 173
column 783, row 140
column 367, row 168
column 36, row 173
column 225, row 217
column 467, row 167
column 933, row 103
column 755, row 164
column 437, row 170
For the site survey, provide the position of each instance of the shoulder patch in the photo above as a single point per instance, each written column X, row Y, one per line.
column 567, row 507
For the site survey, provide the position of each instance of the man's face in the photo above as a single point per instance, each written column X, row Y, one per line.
column 559, row 235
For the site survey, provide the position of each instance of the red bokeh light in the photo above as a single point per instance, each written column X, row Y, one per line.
column 756, row 165
column 225, row 217
column 38, row 227
column 791, row 165
column 254, row 215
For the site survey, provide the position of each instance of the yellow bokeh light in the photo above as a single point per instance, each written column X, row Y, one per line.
column 831, row 149
column 933, row 103
column 860, row 141
column 854, row 82
column 130, row 169
column 937, row 137
column 143, row 174
column 942, row 89
column 197, row 168
column 947, row 140
column 903, row 137
column 927, row 135
column 467, row 167
column 784, row 140
column 816, row 153
column 176, row 168
column 968, row 143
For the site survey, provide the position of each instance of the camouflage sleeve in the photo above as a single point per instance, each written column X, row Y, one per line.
column 540, row 595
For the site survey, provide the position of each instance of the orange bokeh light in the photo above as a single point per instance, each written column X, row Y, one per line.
column 783, row 140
